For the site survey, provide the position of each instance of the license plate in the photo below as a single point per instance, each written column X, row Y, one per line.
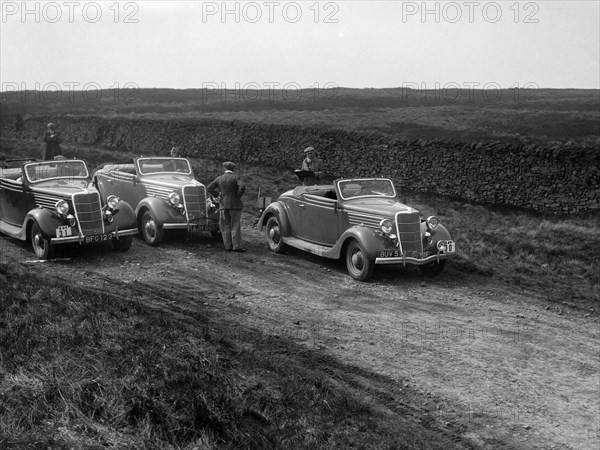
column 204, row 227
column 450, row 247
column 97, row 238
column 64, row 231
column 389, row 254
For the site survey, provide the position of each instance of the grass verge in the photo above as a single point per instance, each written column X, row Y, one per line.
column 88, row 369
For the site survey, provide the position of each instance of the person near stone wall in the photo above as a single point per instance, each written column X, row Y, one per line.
column 311, row 164
column 231, row 189
column 52, row 140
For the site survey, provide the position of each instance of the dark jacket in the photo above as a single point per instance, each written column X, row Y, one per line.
column 52, row 140
column 231, row 189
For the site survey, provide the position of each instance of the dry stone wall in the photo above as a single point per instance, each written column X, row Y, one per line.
column 559, row 179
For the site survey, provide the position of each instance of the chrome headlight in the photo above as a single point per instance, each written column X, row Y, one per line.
column 108, row 216
column 432, row 222
column 62, row 207
column 174, row 198
column 112, row 201
column 72, row 220
column 386, row 226
column 442, row 246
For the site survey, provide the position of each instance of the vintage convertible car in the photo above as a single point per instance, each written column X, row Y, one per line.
column 361, row 220
column 54, row 202
column 164, row 193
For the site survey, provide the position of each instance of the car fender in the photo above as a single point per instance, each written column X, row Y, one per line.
column 46, row 220
column 440, row 234
column 278, row 210
column 163, row 212
column 369, row 240
column 123, row 217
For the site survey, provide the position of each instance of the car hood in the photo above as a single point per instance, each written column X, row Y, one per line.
column 385, row 207
column 63, row 188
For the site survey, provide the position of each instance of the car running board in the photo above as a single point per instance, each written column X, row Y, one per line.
column 13, row 231
column 317, row 249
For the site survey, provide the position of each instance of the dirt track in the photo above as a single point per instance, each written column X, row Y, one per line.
column 499, row 366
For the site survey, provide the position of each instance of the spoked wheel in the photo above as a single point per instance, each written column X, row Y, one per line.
column 42, row 246
column 359, row 265
column 123, row 243
column 433, row 269
column 153, row 233
column 273, row 235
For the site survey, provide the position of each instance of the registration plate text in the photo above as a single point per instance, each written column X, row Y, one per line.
column 97, row 238
column 64, row 231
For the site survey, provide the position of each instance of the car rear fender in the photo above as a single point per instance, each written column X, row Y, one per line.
column 370, row 242
column 278, row 210
column 160, row 209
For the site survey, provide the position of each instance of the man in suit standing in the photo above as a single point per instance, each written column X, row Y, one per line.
column 231, row 189
column 52, row 140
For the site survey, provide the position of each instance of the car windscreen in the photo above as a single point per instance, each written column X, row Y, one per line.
column 37, row 172
column 164, row 165
column 366, row 188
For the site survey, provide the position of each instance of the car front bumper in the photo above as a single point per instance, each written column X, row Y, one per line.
column 95, row 238
column 192, row 226
column 414, row 261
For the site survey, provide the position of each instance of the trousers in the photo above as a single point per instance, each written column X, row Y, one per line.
column 231, row 228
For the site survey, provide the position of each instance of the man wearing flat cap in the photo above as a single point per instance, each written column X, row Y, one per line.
column 312, row 164
column 52, row 140
column 231, row 189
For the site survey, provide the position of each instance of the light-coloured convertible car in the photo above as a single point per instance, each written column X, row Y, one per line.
column 361, row 220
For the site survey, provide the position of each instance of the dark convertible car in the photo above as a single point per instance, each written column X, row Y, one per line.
column 54, row 202
column 361, row 220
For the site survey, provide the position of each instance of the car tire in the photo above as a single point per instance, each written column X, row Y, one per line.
column 41, row 246
column 152, row 232
column 359, row 266
column 433, row 269
column 123, row 243
column 273, row 235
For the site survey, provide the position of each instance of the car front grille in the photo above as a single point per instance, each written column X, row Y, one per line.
column 409, row 231
column 88, row 211
column 194, row 200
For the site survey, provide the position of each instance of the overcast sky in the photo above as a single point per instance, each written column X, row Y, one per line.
column 270, row 44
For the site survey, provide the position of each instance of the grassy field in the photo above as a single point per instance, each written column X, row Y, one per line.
column 518, row 116
column 87, row 369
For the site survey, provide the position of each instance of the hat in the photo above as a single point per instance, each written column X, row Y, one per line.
column 309, row 149
column 229, row 165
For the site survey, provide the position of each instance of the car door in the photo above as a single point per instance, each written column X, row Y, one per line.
column 320, row 219
column 16, row 201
